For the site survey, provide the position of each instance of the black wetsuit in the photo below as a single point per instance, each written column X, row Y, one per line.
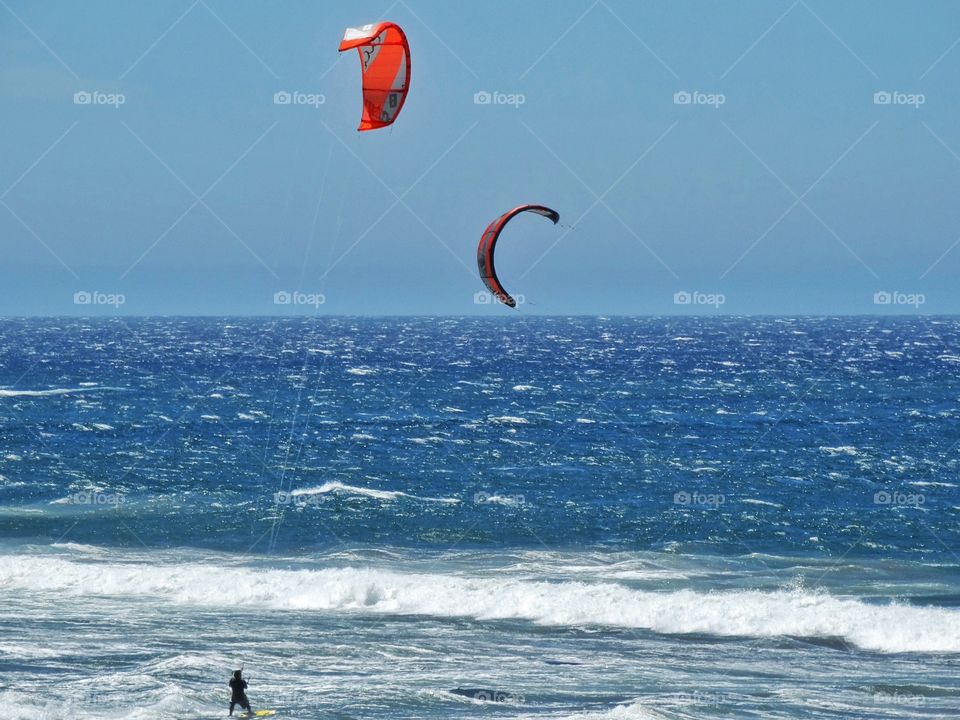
column 238, row 687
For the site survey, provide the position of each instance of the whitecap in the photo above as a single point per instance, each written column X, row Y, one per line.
column 509, row 420
column 886, row 628
column 338, row 487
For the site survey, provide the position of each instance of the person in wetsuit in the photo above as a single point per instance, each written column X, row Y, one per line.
column 238, row 689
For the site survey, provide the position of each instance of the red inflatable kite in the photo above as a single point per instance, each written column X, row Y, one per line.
column 385, row 58
column 488, row 243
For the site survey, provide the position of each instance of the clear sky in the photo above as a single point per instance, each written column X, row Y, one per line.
column 784, row 185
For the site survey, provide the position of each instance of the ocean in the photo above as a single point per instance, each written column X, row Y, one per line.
column 523, row 517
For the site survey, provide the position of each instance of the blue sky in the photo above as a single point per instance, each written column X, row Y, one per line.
column 784, row 186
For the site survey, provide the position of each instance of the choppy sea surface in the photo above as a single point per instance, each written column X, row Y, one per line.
column 510, row 518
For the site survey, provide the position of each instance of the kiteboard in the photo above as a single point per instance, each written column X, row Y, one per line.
column 258, row 713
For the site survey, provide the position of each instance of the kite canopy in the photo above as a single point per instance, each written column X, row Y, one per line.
column 385, row 59
column 488, row 243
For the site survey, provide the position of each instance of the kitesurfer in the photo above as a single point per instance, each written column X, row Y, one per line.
column 238, row 688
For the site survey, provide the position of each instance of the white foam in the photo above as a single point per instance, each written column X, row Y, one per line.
column 890, row 628
column 78, row 547
column 331, row 487
column 518, row 443
column 37, row 393
column 361, row 371
column 634, row 711
column 754, row 501
column 504, row 500
column 839, row 450
column 509, row 420
column 6, row 392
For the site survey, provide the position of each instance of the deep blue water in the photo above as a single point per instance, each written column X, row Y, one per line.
column 684, row 517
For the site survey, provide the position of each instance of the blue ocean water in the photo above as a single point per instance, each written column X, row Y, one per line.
column 557, row 517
